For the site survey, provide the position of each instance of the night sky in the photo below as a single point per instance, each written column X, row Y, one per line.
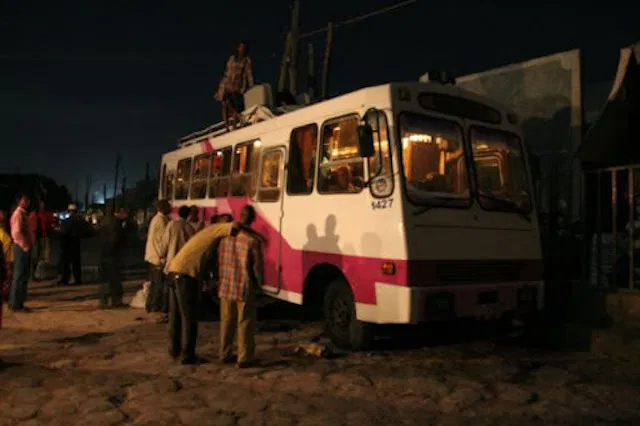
column 80, row 81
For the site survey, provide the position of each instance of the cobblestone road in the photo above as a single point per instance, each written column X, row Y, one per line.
column 67, row 363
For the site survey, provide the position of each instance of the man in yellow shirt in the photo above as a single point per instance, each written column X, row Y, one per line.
column 191, row 266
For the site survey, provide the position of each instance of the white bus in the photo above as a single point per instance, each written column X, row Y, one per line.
column 396, row 204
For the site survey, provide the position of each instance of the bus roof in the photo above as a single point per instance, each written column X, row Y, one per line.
column 378, row 95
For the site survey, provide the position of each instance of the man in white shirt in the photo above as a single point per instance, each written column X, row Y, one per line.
column 177, row 233
column 154, row 257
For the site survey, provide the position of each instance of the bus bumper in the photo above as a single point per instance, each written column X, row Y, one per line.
column 411, row 305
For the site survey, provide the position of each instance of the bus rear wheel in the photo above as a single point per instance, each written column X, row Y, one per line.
column 343, row 327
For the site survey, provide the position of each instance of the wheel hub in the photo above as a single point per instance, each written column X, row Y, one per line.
column 341, row 313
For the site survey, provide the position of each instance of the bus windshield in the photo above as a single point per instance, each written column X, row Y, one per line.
column 500, row 170
column 433, row 161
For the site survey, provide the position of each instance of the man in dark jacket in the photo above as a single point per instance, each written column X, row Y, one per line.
column 74, row 228
column 111, row 244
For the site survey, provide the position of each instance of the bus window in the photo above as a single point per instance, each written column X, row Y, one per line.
column 220, row 169
column 341, row 169
column 432, row 156
column 163, row 182
column 245, row 158
column 383, row 184
column 199, row 176
column 169, row 185
column 500, row 170
column 183, row 178
column 270, row 181
column 302, row 154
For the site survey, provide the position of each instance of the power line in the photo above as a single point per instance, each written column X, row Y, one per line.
column 361, row 17
column 194, row 58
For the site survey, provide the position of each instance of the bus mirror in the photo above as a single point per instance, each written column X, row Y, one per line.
column 365, row 141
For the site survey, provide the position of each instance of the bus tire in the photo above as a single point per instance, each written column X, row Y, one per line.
column 343, row 327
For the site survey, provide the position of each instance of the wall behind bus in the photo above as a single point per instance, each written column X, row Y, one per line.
column 546, row 95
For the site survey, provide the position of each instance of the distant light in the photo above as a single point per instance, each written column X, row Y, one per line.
column 257, row 143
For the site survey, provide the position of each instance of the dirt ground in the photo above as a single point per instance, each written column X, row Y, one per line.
column 68, row 363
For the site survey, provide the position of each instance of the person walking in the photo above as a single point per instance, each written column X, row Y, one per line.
column 21, row 256
column 156, row 301
column 240, row 279
column 73, row 230
column 112, row 242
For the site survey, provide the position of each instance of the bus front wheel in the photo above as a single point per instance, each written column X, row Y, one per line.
column 343, row 327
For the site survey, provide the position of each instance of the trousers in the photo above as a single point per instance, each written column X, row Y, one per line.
column 111, row 275
column 238, row 319
column 183, row 316
column 20, row 282
column 158, row 298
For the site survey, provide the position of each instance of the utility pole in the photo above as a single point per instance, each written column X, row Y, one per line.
column 311, row 72
column 327, row 62
column 104, row 192
column 87, row 191
column 295, row 37
column 124, row 184
column 115, row 183
column 289, row 64
column 282, row 78
column 77, row 197
column 145, row 204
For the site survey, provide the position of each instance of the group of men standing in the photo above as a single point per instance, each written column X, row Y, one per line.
column 182, row 255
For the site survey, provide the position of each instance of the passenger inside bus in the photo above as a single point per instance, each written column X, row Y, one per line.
column 344, row 181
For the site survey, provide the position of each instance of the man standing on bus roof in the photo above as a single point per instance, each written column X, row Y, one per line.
column 156, row 301
column 240, row 279
column 237, row 79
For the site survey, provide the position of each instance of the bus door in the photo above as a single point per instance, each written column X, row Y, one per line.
column 270, row 198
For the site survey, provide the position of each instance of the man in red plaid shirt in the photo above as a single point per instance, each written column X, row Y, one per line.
column 240, row 275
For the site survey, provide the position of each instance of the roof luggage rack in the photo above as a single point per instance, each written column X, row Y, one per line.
column 259, row 107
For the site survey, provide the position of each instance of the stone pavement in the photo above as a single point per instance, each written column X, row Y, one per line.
column 67, row 363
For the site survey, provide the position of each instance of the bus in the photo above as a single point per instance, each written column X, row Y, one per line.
column 402, row 203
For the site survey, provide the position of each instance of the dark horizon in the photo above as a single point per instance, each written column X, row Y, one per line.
column 82, row 82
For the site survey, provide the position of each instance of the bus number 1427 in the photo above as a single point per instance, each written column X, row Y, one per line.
column 382, row 204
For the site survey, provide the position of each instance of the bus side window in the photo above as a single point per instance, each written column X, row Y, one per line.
column 382, row 186
column 220, row 169
column 243, row 178
column 183, row 178
column 163, row 182
column 168, row 185
column 302, row 159
column 200, row 175
column 270, row 182
column 341, row 169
